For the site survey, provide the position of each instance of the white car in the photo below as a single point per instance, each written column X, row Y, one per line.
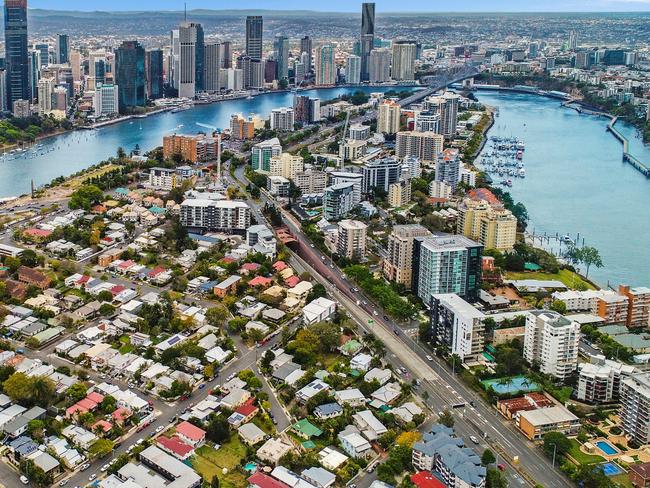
column 429, row 358
column 104, row 467
column 24, row 480
column 159, row 429
column 92, row 477
column 473, row 439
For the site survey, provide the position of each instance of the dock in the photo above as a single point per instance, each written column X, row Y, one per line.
column 627, row 157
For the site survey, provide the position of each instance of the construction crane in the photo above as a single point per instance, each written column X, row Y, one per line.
column 345, row 131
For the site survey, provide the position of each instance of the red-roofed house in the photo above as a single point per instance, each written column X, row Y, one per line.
column 34, row 277
column 248, row 410
column 261, row 480
column 117, row 289
column 248, row 268
column 121, row 415
column 37, row 235
column 125, row 265
column 104, row 425
column 228, row 260
column 82, row 281
column 424, row 479
column 74, row 410
column 260, row 281
column 292, row 281
column 190, row 434
column 176, row 447
column 156, row 271
column 483, row 194
column 95, row 397
column 279, row 266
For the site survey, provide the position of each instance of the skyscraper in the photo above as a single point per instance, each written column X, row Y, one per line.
column 62, row 49
column 404, row 54
column 281, row 51
column 213, row 63
column 573, row 40
column 16, row 61
column 34, row 72
column 129, row 75
column 226, row 54
column 367, row 36
column 306, row 47
column 254, row 26
column 324, row 66
column 353, row 70
column 174, row 59
column 153, row 63
column 379, row 66
column 191, row 43
column 45, row 53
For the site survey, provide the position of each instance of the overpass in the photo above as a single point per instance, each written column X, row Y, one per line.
column 440, row 81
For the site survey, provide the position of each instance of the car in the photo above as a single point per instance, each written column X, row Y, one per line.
column 352, row 289
column 386, row 317
column 130, row 449
column 473, row 439
column 332, row 266
column 92, row 477
column 311, row 245
column 84, row 467
column 501, row 467
column 139, row 442
column 356, row 290
column 375, row 313
column 159, row 429
column 24, row 480
column 172, row 420
column 429, row 358
column 201, row 386
column 323, row 258
column 471, row 402
column 63, row 482
column 403, row 370
column 105, row 467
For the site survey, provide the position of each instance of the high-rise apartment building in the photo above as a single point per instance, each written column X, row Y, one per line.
column 367, row 39
column 241, row 128
column 338, row 201
column 399, row 193
column 200, row 214
column 213, row 63
column 45, row 91
column 599, row 381
column 193, row 148
column 638, row 310
column 426, row 146
column 254, row 27
column 62, row 49
column 379, row 174
column 351, row 241
column 457, row 325
column 16, row 57
column 353, row 70
column 281, row 53
column 306, row 47
column 573, row 40
column 398, row 265
column 106, row 100
column 427, row 122
column 446, row 105
column 404, row 55
column 379, row 66
column 635, row 407
column 324, row 66
column 388, row 117
column 286, row 165
column 282, row 119
column 311, row 181
column 490, row 224
column 129, row 75
column 306, row 110
column 446, row 264
column 340, row 177
column 153, row 69
column 262, row 152
column 448, row 167
column 551, row 341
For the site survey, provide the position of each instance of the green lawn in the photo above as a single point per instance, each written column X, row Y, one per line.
column 126, row 345
column 581, row 457
column 622, row 480
column 569, row 278
column 209, row 462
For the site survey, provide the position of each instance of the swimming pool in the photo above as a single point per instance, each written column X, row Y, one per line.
column 607, row 448
column 611, row 469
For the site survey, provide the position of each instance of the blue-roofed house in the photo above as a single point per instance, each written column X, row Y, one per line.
column 22, row 446
column 121, row 192
column 328, row 410
column 157, row 210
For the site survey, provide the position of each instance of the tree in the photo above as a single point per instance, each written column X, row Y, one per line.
column 556, row 442
column 590, row 256
column 446, row 419
column 487, row 458
column 76, row 392
column 218, row 430
column 85, row 197
column 558, row 306
column 100, row 448
column 494, row 479
column 105, row 296
column 592, row 476
column 216, row 316
column 32, row 391
column 109, row 404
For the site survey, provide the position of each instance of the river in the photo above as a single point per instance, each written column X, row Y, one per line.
column 74, row 151
column 576, row 182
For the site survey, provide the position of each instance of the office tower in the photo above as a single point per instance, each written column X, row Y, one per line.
column 270, row 70
column 106, row 100
column 16, row 57
column 353, row 70
column 62, row 49
column 306, row 110
column 60, row 98
column 282, row 119
column 635, row 407
column 129, row 75
column 254, row 27
column 212, row 67
column 426, row 146
column 551, row 341
column 174, row 59
column 281, row 51
column 253, row 70
column 398, row 264
column 286, row 165
column 45, row 53
column 262, row 152
column 490, row 224
column 351, row 241
column 34, row 73
column 367, row 39
column 191, row 43
column 3, row 95
column 324, row 67
column 448, row 167
column 404, row 54
column 446, row 105
column 379, row 66
column 226, row 55
column 307, row 47
column 75, row 64
column 573, row 40
column 533, row 50
column 45, row 89
column 338, row 201
column 99, row 71
column 234, row 79
column 388, row 118
column 446, row 264
column 457, row 325
column 379, row 174
column 153, row 68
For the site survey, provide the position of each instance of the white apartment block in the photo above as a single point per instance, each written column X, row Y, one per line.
column 600, row 380
column 635, row 407
column 551, row 341
column 282, row 119
column 216, row 215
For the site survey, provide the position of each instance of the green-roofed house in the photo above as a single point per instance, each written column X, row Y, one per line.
column 351, row 347
column 121, row 191
column 532, row 267
column 305, row 429
column 308, row 445
column 157, row 210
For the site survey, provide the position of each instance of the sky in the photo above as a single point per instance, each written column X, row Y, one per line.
column 352, row 6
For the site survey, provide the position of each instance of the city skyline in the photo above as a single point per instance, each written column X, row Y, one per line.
column 341, row 6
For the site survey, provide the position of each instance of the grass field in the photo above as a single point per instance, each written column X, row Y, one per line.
column 209, row 462
column 569, row 278
column 622, row 480
column 582, row 457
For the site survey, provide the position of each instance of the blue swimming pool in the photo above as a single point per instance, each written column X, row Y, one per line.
column 607, row 448
column 611, row 469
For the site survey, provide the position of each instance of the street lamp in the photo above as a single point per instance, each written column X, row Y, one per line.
column 554, row 450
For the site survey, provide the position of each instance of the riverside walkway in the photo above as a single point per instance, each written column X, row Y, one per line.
column 627, row 157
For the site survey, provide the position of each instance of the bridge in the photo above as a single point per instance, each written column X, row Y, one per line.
column 440, row 81
column 627, row 156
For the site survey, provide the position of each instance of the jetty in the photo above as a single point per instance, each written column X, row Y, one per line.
column 627, row 157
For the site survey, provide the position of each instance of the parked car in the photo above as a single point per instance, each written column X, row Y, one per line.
column 24, row 480
column 84, row 467
column 429, row 358
column 473, row 439
column 92, row 477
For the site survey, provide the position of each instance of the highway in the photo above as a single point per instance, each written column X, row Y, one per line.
column 443, row 387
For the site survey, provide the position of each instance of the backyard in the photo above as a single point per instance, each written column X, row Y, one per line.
column 209, row 462
column 581, row 457
column 569, row 278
